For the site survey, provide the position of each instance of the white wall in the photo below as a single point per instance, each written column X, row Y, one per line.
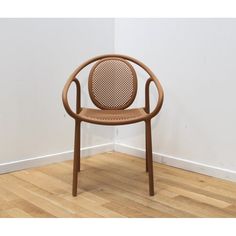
column 36, row 58
column 193, row 58
column 195, row 62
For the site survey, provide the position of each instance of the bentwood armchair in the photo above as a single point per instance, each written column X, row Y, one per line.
column 112, row 86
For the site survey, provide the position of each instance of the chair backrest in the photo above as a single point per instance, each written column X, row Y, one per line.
column 112, row 83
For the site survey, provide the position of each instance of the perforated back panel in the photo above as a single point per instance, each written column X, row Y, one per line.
column 112, row 84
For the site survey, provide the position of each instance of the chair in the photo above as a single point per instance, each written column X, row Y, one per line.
column 112, row 85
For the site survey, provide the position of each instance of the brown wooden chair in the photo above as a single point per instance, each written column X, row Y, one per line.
column 112, row 85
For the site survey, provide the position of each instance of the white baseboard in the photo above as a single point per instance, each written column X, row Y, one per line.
column 119, row 147
column 53, row 158
column 179, row 162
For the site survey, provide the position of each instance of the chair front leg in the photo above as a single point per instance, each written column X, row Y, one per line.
column 76, row 163
column 147, row 146
column 147, row 109
column 149, row 160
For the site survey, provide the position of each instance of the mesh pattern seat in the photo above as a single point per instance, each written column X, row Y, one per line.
column 112, row 116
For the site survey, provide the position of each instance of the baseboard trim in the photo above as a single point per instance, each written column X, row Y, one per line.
column 53, row 158
column 179, row 162
column 119, row 147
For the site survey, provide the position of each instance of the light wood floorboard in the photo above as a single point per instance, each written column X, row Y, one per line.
column 114, row 185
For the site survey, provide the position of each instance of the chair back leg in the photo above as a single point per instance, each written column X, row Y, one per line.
column 149, row 160
column 76, row 163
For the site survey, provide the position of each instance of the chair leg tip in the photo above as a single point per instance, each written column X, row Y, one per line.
column 151, row 193
column 74, row 193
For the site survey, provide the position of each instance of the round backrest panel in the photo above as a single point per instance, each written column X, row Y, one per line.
column 112, row 84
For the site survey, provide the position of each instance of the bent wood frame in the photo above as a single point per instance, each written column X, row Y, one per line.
column 147, row 119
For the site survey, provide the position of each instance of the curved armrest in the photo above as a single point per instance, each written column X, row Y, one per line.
column 160, row 98
column 71, row 79
column 65, row 98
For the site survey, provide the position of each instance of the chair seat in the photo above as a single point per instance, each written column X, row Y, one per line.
column 112, row 116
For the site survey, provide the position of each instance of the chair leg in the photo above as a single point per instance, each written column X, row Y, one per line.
column 76, row 163
column 149, row 156
column 78, row 144
column 146, row 148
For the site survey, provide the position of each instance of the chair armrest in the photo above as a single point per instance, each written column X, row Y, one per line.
column 147, row 99
column 65, row 98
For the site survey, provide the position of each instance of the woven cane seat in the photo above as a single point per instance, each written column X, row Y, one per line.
column 112, row 116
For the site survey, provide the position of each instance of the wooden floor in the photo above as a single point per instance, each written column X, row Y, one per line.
column 114, row 185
